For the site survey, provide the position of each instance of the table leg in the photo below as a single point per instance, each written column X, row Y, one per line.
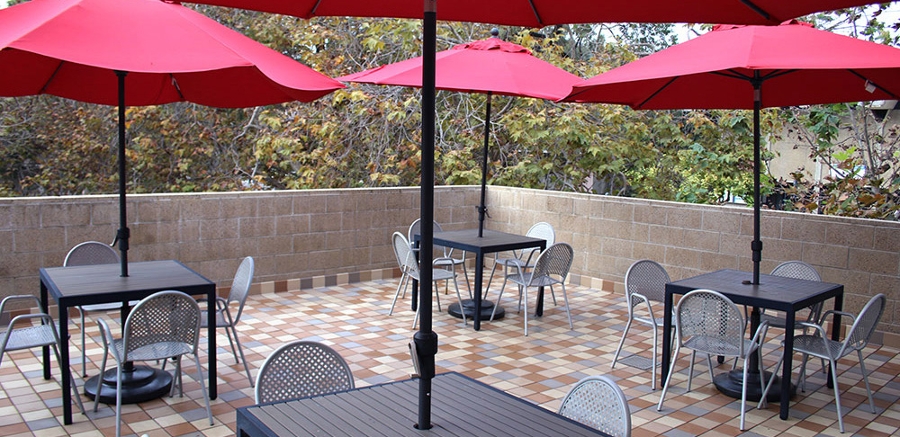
column 787, row 366
column 45, row 308
column 64, row 374
column 211, row 336
column 667, row 338
column 539, row 305
column 479, row 274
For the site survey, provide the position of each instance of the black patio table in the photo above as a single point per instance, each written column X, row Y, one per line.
column 461, row 405
column 94, row 284
column 490, row 242
column 773, row 292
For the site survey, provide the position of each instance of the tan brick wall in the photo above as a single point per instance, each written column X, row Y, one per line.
column 321, row 236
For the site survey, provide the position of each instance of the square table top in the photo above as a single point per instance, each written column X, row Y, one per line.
column 489, row 242
column 460, row 406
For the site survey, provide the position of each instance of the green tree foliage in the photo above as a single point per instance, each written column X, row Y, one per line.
column 369, row 136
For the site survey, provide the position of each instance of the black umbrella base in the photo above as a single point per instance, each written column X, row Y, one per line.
column 731, row 383
column 469, row 307
column 139, row 385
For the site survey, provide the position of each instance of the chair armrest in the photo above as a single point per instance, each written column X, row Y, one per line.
column 107, row 338
column 814, row 326
column 760, row 335
column 645, row 300
column 44, row 317
column 834, row 312
column 221, row 302
column 19, row 297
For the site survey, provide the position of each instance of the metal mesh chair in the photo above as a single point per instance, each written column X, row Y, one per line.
column 552, row 267
column 163, row 325
column 521, row 259
column 598, row 402
column 300, row 369
column 444, row 257
column 706, row 321
column 409, row 268
column 92, row 253
column 240, row 289
column 818, row 344
column 22, row 333
column 645, row 285
column 796, row 270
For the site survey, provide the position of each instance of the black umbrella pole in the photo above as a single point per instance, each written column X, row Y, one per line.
column 482, row 209
column 426, row 340
column 123, row 233
column 756, row 245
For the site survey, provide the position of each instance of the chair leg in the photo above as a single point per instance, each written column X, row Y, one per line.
column 401, row 285
column 437, row 296
column 118, row 399
column 862, row 368
column 100, row 379
column 743, row 391
column 523, row 292
column 459, row 296
column 653, row 360
column 203, row 387
column 241, row 351
column 566, row 299
column 491, row 278
column 622, row 343
column 83, row 351
column 76, row 395
column 837, row 394
column 499, row 296
column 662, row 396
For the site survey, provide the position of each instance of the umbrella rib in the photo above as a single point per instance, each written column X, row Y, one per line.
column 537, row 16
column 315, row 7
column 855, row 73
column 655, row 93
column 50, row 79
column 177, row 87
column 757, row 9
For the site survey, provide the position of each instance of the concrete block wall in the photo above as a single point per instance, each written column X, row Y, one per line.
column 609, row 233
column 311, row 238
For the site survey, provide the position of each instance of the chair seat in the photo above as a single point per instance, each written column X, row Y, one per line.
column 155, row 351
column 29, row 337
column 436, row 275
column 510, row 262
column 526, row 279
column 651, row 320
column 106, row 306
column 715, row 346
column 812, row 345
column 221, row 321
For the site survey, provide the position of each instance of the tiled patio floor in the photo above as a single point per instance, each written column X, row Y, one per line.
column 541, row 367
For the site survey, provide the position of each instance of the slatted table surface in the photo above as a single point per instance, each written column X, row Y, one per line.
column 461, row 406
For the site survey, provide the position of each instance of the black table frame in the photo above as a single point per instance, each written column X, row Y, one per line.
column 773, row 292
column 490, row 242
column 94, row 284
column 461, row 406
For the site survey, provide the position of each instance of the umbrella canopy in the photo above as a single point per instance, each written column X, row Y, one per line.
column 85, row 49
column 489, row 66
column 752, row 67
column 531, row 13
column 539, row 13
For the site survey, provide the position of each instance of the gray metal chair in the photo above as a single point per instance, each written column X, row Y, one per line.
column 819, row 344
column 240, row 289
column 521, row 259
column 23, row 333
column 598, row 402
column 645, row 286
column 707, row 321
column 409, row 268
column 444, row 257
column 796, row 270
column 552, row 267
column 92, row 253
column 163, row 325
column 300, row 369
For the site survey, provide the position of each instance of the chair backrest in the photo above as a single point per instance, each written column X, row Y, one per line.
column 859, row 333
column 542, row 230
column 166, row 317
column 240, row 287
column 709, row 315
column 796, row 270
column 648, row 278
column 406, row 259
column 90, row 253
column 598, row 402
column 300, row 369
column 416, row 227
column 554, row 262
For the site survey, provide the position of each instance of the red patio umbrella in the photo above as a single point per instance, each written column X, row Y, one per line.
column 85, row 49
column 530, row 13
column 490, row 66
column 752, row 67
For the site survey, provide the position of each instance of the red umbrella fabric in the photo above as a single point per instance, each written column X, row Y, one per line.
column 752, row 67
column 539, row 13
column 489, row 66
column 72, row 48
column 88, row 50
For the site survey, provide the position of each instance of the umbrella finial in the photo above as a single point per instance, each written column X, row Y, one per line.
column 495, row 32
